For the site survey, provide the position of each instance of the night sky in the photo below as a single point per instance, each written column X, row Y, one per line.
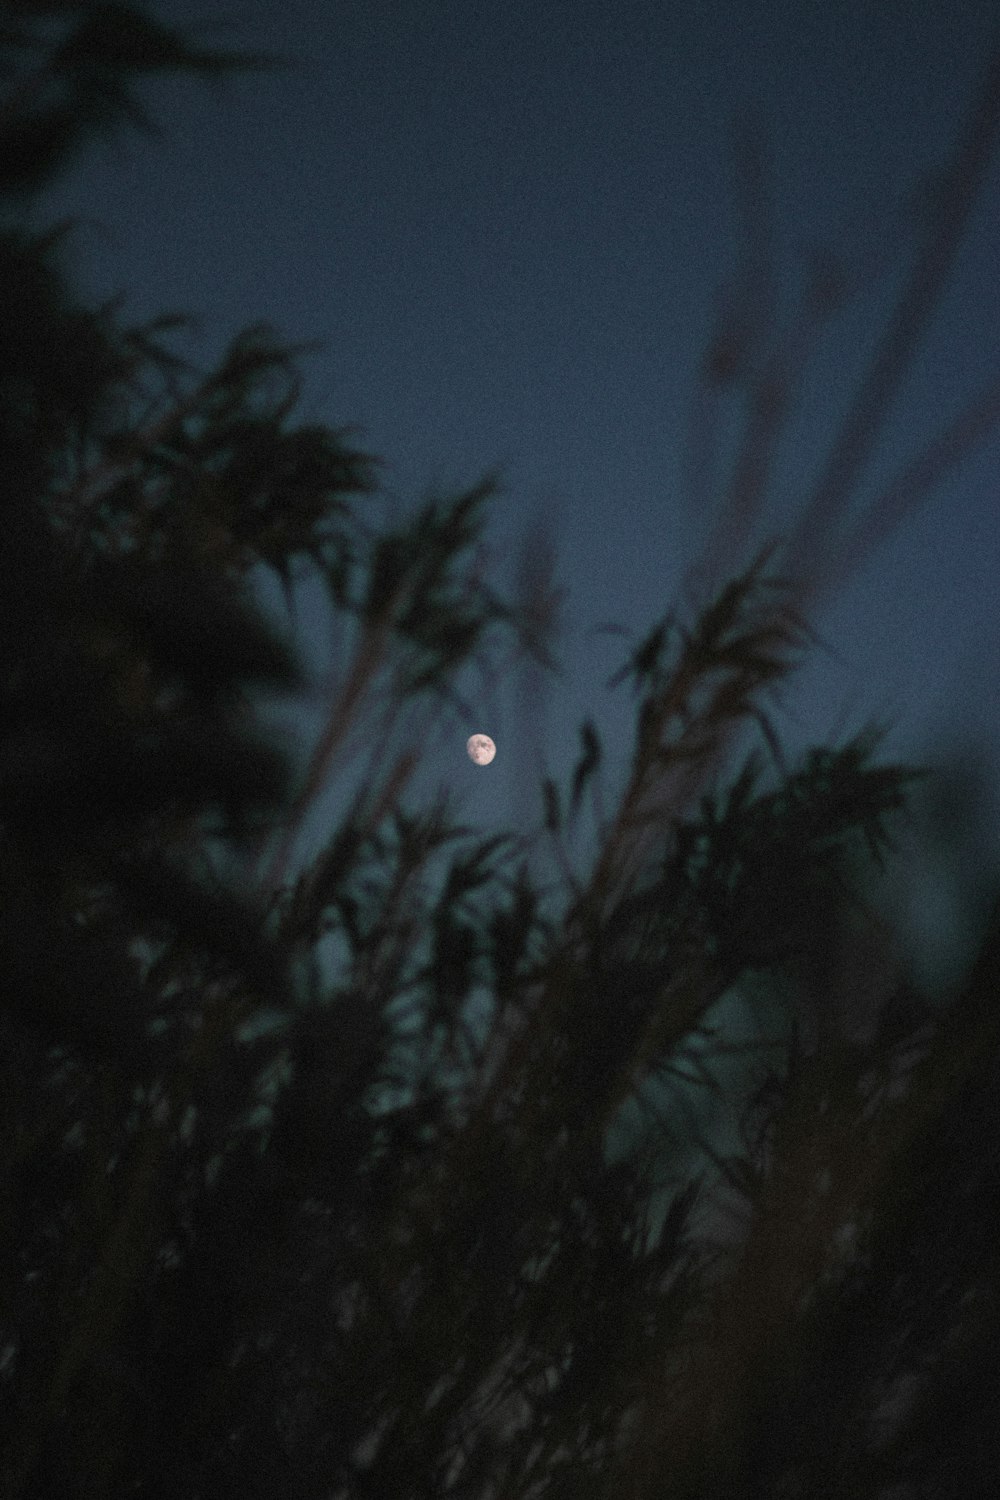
column 510, row 224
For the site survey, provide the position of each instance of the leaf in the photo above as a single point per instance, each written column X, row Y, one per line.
column 587, row 765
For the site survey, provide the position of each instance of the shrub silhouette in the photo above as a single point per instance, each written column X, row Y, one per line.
column 365, row 1177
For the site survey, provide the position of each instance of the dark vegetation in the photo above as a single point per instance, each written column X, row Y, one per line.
column 364, row 1179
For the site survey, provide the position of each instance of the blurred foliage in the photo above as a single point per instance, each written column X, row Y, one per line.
column 307, row 1174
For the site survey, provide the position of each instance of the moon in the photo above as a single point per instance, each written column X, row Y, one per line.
column 481, row 749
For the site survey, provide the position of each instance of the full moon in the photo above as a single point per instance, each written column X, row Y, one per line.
column 481, row 749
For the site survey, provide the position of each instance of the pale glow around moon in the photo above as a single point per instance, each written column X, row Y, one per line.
column 481, row 749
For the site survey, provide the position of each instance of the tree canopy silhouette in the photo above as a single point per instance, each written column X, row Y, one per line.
column 369, row 1175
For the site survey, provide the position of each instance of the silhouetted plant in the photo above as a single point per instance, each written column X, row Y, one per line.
column 368, row 1175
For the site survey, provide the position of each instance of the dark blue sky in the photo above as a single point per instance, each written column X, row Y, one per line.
column 509, row 225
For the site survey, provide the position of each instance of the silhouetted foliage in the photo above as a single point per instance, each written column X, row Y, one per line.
column 369, row 1176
